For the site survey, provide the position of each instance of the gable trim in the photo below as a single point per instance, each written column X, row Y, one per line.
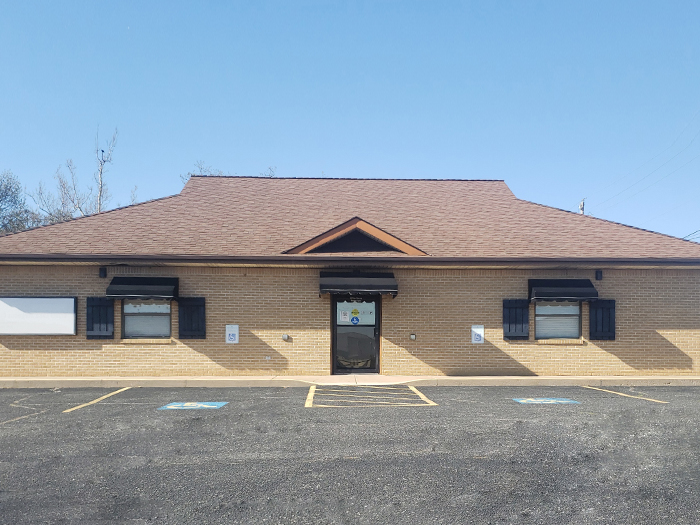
column 356, row 224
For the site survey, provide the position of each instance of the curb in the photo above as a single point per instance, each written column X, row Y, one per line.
column 350, row 380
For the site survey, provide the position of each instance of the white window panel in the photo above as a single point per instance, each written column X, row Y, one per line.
column 362, row 313
column 557, row 320
column 557, row 308
column 146, row 307
column 37, row 315
column 146, row 326
column 555, row 327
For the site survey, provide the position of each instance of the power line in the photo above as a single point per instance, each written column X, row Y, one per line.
column 655, row 182
column 655, row 156
column 651, row 173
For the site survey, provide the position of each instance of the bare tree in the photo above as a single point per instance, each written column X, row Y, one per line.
column 201, row 170
column 70, row 200
column 52, row 209
column 102, row 195
column 270, row 173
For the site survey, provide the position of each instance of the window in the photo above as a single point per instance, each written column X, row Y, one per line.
column 38, row 315
column 146, row 318
column 557, row 320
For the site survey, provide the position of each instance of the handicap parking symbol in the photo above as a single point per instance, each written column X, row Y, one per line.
column 546, row 401
column 194, row 405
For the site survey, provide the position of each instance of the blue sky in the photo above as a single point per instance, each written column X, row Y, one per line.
column 561, row 99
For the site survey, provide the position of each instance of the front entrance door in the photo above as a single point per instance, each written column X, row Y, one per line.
column 356, row 333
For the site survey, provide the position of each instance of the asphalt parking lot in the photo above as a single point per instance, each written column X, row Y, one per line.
column 350, row 455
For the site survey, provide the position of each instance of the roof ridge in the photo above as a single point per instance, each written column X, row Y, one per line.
column 73, row 219
column 607, row 221
column 338, row 178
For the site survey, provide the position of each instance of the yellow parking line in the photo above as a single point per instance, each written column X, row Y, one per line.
column 97, row 400
column 626, row 395
column 363, row 397
column 319, row 390
column 381, row 387
column 422, row 396
column 22, row 417
column 391, row 396
column 310, row 397
column 374, row 403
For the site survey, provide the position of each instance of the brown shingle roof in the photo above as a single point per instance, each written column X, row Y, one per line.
column 264, row 217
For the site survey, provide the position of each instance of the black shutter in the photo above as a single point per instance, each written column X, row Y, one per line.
column 516, row 313
column 100, row 318
column 192, row 317
column 602, row 316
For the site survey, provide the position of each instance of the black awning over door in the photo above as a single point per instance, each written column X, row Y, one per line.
column 358, row 283
column 561, row 289
column 143, row 288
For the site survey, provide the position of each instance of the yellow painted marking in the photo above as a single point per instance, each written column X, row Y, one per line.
column 97, row 400
column 626, row 395
column 422, row 396
column 374, row 387
column 371, row 402
column 319, row 390
column 22, row 417
column 310, row 397
column 373, row 405
column 363, row 397
column 16, row 404
column 380, row 387
column 395, row 397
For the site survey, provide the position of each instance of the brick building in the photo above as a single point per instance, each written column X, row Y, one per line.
column 256, row 276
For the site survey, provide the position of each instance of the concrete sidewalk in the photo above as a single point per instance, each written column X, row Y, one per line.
column 349, row 379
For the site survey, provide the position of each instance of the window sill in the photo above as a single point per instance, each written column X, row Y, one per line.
column 561, row 342
column 164, row 341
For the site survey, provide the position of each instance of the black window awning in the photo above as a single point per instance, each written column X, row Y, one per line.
column 561, row 289
column 358, row 283
column 143, row 288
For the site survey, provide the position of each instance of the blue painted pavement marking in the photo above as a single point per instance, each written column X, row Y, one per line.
column 194, row 405
column 546, row 401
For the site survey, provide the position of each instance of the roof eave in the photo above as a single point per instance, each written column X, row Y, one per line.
column 316, row 260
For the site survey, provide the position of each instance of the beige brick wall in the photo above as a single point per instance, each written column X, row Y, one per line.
column 658, row 325
column 265, row 303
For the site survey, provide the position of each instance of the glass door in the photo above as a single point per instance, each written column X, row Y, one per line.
column 356, row 334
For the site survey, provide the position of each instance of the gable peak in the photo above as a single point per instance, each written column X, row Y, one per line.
column 355, row 235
